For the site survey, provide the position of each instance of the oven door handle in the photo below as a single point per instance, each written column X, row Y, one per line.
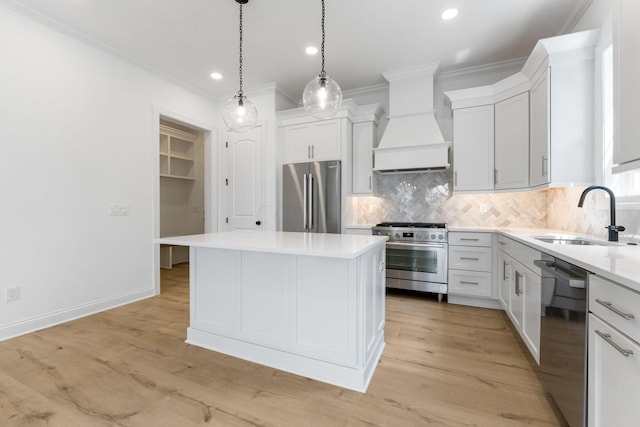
column 414, row 245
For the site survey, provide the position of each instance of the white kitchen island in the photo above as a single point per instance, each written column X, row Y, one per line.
column 307, row 303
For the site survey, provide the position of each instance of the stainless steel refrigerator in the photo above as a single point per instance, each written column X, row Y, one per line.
column 311, row 197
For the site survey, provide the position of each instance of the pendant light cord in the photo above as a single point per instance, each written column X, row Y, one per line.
column 240, row 93
column 322, row 72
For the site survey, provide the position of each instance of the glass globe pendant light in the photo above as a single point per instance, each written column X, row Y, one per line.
column 322, row 96
column 240, row 114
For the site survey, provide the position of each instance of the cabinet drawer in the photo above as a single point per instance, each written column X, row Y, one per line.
column 470, row 283
column 470, row 258
column 615, row 304
column 469, row 239
column 522, row 253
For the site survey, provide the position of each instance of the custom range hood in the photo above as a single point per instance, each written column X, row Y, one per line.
column 412, row 141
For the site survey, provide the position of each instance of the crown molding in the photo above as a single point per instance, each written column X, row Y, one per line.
column 576, row 15
column 511, row 65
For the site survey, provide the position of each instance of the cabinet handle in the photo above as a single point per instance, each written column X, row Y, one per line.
column 607, row 338
column 369, row 183
column 544, row 162
column 495, row 176
column 504, row 270
column 470, row 259
column 455, row 178
column 502, row 243
column 308, row 151
column 469, row 283
column 610, row 306
column 313, row 154
column 469, row 239
column 518, row 290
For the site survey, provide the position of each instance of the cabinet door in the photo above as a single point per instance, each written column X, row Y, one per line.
column 512, row 142
column 326, row 137
column 504, row 278
column 363, row 142
column 516, row 296
column 531, row 312
column 626, row 65
column 473, row 148
column 539, row 132
column 297, row 143
column 614, row 377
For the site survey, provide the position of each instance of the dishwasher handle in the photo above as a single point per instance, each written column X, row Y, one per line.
column 553, row 270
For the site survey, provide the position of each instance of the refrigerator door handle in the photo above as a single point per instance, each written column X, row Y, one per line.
column 310, row 205
column 305, row 202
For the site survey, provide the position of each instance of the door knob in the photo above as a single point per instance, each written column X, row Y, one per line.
column 258, row 222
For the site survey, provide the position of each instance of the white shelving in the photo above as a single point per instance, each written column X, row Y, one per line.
column 177, row 150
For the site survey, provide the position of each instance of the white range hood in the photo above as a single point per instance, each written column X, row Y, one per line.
column 412, row 141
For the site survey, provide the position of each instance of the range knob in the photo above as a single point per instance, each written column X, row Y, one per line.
column 441, row 237
column 433, row 236
column 397, row 235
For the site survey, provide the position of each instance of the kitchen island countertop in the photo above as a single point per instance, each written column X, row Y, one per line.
column 316, row 244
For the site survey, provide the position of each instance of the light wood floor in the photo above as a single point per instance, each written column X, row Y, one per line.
column 443, row 365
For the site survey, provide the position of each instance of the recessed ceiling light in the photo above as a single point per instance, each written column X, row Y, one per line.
column 450, row 14
column 311, row 50
column 216, row 76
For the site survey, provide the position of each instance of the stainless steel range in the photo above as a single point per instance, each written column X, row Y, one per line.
column 416, row 255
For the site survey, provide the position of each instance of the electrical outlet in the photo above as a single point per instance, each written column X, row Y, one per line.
column 11, row 293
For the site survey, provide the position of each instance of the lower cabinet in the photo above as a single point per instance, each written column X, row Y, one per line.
column 614, row 354
column 520, row 290
column 470, row 268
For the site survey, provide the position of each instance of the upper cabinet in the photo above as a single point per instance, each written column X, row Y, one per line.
column 365, row 139
column 491, row 136
column 512, row 142
column 304, row 138
column 542, row 130
column 626, row 84
column 561, row 71
column 473, row 148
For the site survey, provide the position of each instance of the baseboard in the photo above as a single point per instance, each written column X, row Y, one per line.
column 474, row 301
column 37, row 323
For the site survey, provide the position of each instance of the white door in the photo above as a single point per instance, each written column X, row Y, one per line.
column 244, row 181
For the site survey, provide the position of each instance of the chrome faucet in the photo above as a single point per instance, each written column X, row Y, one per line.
column 613, row 228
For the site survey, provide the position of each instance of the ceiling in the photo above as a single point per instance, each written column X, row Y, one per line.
column 190, row 39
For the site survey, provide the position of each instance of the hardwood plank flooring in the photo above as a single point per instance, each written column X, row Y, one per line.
column 443, row 365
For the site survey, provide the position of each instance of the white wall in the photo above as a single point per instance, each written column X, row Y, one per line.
column 79, row 131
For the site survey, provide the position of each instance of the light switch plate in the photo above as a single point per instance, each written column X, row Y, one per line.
column 117, row 209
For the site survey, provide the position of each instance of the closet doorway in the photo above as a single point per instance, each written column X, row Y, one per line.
column 182, row 201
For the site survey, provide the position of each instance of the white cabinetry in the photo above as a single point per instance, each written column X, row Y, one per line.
column 614, row 354
column 322, row 317
column 315, row 141
column 520, row 290
column 626, row 37
column 473, row 148
column 470, row 268
column 512, row 142
column 491, row 135
column 561, row 70
column 365, row 139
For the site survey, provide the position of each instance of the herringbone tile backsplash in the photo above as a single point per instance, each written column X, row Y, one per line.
column 427, row 197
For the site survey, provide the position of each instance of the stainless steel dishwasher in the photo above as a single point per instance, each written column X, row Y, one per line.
column 563, row 337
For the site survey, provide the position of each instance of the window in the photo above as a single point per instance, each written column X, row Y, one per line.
column 626, row 185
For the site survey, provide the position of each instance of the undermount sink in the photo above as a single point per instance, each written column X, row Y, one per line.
column 570, row 241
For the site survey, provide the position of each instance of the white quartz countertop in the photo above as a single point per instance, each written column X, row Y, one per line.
column 618, row 262
column 313, row 244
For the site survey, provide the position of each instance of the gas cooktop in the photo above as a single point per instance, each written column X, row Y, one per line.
column 415, row 232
